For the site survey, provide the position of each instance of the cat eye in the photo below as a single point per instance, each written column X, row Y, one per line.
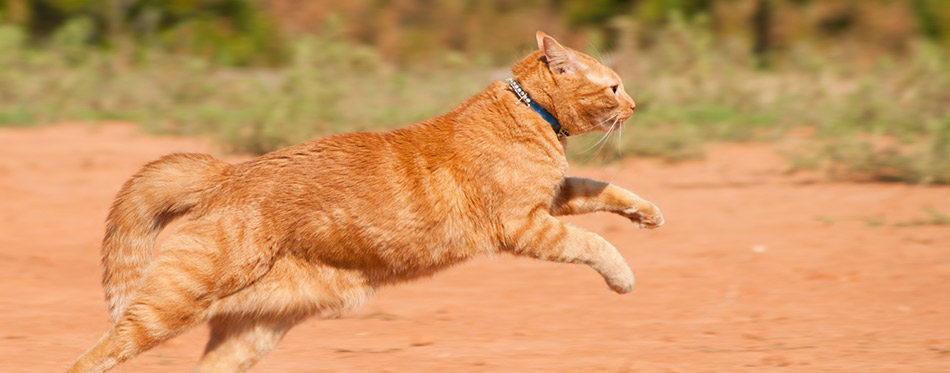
column 613, row 88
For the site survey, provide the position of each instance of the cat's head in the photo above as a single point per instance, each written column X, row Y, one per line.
column 580, row 91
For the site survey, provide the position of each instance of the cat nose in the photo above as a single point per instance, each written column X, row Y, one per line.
column 633, row 105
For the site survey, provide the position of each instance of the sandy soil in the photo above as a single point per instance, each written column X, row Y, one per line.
column 755, row 271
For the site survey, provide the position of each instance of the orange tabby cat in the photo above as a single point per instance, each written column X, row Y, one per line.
column 315, row 228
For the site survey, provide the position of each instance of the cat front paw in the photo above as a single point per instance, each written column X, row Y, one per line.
column 621, row 284
column 646, row 216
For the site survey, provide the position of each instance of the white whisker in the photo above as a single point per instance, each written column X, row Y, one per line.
column 603, row 140
column 610, row 131
column 597, row 51
column 620, row 141
column 606, row 134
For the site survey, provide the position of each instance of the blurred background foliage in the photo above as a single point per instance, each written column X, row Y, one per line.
column 856, row 88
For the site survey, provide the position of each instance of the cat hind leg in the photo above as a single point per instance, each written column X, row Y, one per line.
column 162, row 309
column 239, row 341
column 179, row 291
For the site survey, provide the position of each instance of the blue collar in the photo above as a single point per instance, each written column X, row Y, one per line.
column 524, row 97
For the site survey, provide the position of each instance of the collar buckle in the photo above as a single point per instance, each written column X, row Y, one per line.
column 522, row 95
column 526, row 98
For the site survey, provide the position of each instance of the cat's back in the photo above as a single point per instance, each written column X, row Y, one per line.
column 362, row 165
column 414, row 168
column 372, row 195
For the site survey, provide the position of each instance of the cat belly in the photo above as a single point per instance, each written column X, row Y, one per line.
column 396, row 253
column 298, row 288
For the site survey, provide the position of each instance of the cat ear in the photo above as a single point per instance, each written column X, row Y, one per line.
column 560, row 60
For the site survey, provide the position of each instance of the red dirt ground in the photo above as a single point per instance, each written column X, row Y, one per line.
column 754, row 271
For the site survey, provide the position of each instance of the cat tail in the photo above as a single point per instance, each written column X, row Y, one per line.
column 162, row 191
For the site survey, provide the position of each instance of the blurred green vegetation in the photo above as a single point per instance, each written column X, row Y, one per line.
column 228, row 32
column 328, row 87
column 857, row 89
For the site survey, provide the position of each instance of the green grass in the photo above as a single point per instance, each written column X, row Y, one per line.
column 887, row 119
column 329, row 87
column 933, row 217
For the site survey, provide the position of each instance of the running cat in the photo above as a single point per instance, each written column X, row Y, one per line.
column 315, row 228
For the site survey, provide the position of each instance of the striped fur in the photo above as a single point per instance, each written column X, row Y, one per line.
column 315, row 228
